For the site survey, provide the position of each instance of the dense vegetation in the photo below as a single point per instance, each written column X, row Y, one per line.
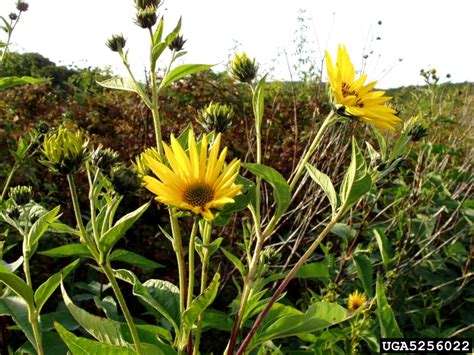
column 414, row 229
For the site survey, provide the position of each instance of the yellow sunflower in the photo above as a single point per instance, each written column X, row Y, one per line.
column 356, row 97
column 195, row 180
column 356, row 300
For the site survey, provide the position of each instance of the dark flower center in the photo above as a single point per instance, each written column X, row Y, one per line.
column 198, row 194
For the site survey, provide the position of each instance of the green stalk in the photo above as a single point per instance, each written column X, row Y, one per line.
column 105, row 266
column 92, row 203
column 32, row 314
column 302, row 164
column 206, row 237
column 9, row 180
column 123, row 305
column 9, row 37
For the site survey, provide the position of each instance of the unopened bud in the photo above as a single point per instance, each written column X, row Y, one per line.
column 116, row 43
column 216, row 117
column 146, row 17
column 21, row 195
column 13, row 16
column 22, row 6
column 177, row 44
column 125, row 181
column 104, row 159
column 243, row 69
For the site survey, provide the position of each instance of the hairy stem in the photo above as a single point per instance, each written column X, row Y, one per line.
column 123, row 305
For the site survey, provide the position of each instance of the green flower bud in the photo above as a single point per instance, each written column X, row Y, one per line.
column 146, row 17
column 65, row 151
column 125, row 181
column 116, row 43
column 142, row 4
column 243, row 69
column 216, row 117
column 21, row 195
column 104, row 159
column 22, row 6
column 141, row 165
column 177, row 44
column 418, row 132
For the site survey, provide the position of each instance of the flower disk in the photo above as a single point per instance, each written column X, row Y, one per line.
column 357, row 99
column 197, row 179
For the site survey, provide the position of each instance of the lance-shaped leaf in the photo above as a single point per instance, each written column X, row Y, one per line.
column 291, row 322
column 281, row 190
column 181, row 71
column 112, row 236
column 325, row 183
column 17, row 308
column 388, row 324
column 135, row 259
column 364, row 271
column 118, row 83
column 199, row 305
column 51, row 284
column 17, row 285
column 258, row 99
column 41, row 226
column 357, row 181
column 68, row 250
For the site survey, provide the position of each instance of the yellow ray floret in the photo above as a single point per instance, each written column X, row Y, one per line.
column 356, row 97
column 195, row 180
column 356, row 300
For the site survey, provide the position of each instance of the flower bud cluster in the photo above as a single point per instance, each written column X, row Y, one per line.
column 216, row 117
column 243, row 69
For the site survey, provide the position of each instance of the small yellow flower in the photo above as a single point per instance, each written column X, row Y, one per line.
column 196, row 180
column 356, row 98
column 356, row 300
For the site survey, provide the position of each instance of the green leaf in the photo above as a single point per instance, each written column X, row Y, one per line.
column 381, row 142
column 242, row 201
column 325, row 183
column 281, row 189
column 204, row 300
column 356, row 181
column 388, row 324
column 212, row 247
column 234, row 260
column 9, row 82
column 159, row 296
column 384, row 247
column 59, row 227
column 258, row 99
column 215, row 319
column 364, row 270
column 289, row 323
column 102, row 329
column 82, row 346
column 117, row 83
column 173, row 34
column 41, row 226
column 112, row 236
column 313, row 271
column 17, row 285
column 12, row 267
column 158, row 31
column 52, row 344
column 17, row 308
column 47, row 288
column 132, row 258
column 68, row 250
column 157, row 50
column 181, row 71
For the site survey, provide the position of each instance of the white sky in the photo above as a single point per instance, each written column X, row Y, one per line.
column 424, row 33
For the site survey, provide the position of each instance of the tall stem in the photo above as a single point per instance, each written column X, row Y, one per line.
column 206, row 237
column 286, row 280
column 9, row 180
column 123, row 305
column 302, row 164
column 32, row 313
